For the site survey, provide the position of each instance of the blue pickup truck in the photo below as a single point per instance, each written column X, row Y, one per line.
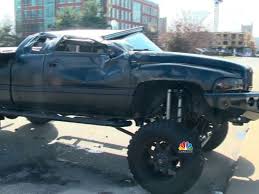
column 182, row 103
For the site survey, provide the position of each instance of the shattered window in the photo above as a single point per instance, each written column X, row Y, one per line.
column 40, row 44
column 80, row 46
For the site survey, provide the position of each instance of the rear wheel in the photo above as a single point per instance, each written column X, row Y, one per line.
column 38, row 121
column 165, row 158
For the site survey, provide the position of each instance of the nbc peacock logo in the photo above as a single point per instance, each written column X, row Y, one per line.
column 185, row 147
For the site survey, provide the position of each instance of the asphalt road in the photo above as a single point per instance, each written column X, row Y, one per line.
column 74, row 158
column 246, row 176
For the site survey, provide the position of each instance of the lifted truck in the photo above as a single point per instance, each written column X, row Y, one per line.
column 181, row 102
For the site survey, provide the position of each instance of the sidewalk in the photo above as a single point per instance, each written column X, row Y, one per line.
column 246, row 177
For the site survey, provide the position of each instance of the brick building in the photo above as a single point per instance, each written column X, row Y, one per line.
column 233, row 40
column 40, row 15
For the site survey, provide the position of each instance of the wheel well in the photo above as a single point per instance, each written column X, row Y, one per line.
column 149, row 93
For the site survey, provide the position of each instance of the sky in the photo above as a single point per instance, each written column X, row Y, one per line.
column 233, row 13
column 6, row 10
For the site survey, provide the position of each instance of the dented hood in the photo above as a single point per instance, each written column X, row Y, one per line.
column 146, row 57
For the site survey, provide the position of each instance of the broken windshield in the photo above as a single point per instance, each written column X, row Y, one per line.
column 138, row 42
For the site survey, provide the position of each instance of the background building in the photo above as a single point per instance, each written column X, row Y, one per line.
column 257, row 44
column 247, row 29
column 162, row 25
column 233, row 40
column 40, row 15
column 235, row 43
column 132, row 13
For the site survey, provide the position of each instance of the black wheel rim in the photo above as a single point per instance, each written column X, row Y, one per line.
column 162, row 158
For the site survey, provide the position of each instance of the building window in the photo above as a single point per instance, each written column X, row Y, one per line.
column 110, row 12
column 113, row 12
column 225, row 42
column 136, row 12
column 117, row 14
column 120, row 14
column 125, row 15
column 155, row 12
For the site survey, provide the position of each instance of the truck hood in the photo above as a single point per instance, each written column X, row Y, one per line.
column 147, row 57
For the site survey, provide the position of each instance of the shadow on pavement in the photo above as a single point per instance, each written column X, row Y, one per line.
column 27, row 145
column 28, row 156
column 241, row 181
column 217, row 171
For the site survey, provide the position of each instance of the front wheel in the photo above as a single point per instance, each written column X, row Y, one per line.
column 219, row 134
column 165, row 157
column 38, row 121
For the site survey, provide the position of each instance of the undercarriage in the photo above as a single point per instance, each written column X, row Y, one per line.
column 170, row 143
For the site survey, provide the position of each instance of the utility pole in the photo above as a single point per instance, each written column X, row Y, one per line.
column 216, row 14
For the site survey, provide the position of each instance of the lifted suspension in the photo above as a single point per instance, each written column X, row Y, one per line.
column 179, row 95
column 168, row 104
column 179, row 105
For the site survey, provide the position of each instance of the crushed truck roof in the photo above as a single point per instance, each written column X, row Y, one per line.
column 96, row 34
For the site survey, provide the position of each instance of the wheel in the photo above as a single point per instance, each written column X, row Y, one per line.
column 218, row 136
column 165, row 158
column 38, row 121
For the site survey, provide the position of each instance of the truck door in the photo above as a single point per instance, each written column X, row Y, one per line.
column 27, row 74
column 82, row 77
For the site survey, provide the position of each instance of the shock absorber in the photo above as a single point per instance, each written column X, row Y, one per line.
column 179, row 105
column 168, row 104
column 179, row 108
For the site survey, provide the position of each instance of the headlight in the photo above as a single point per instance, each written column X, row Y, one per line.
column 228, row 84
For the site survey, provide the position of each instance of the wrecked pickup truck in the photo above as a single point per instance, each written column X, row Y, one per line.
column 182, row 103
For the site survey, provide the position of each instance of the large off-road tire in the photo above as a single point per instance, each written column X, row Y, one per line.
column 156, row 162
column 38, row 121
column 218, row 136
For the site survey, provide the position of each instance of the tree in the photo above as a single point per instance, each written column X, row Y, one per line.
column 93, row 15
column 90, row 16
column 67, row 19
column 187, row 35
column 7, row 37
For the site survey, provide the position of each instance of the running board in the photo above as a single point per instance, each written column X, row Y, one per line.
column 58, row 117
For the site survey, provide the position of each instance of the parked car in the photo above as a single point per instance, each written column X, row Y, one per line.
column 182, row 103
column 207, row 51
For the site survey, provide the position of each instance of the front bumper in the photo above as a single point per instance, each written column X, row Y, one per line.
column 247, row 103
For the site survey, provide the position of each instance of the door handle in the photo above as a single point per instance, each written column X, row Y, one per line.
column 52, row 65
